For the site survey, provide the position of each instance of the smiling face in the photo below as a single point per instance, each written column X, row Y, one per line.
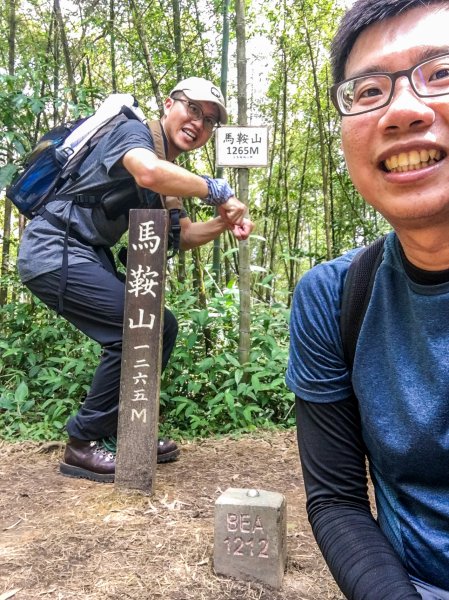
column 183, row 133
column 397, row 155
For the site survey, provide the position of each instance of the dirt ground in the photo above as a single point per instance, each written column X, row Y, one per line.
column 64, row 538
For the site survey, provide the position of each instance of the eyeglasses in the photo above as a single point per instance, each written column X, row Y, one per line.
column 369, row 92
column 196, row 113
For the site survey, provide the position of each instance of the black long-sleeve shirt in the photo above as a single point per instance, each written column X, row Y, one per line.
column 359, row 556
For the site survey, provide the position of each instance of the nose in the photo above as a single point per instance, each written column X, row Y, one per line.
column 406, row 110
column 200, row 125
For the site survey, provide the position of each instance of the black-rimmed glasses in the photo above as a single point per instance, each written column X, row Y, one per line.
column 195, row 112
column 369, row 92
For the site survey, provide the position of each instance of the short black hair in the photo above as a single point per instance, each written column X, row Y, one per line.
column 360, row 16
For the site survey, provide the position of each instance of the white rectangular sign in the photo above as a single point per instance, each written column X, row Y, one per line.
column 242, row 146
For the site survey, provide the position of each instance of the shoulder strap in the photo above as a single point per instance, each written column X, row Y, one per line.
column 156, row 131
column 112, row 106
column 168, row 202
column 73, row 163
column 356, row 295
column 172, row 203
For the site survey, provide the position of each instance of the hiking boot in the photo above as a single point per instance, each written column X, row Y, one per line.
column 167, row 450
column 96, row 460
column 88, row 460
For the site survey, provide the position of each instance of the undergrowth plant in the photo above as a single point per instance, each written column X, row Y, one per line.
column 45, row 370
column 208, row 394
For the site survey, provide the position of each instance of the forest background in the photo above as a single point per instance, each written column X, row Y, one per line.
column 58, row 60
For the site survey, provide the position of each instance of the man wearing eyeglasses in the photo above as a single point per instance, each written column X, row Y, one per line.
column 391, row 67
column 93, row 299
column 192, row 112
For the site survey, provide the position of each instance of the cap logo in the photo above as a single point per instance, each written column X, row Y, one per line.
column 215, row 92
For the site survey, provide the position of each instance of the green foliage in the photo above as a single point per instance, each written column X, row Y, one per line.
column 206, row 394
column 45, row 370
column 46, row 367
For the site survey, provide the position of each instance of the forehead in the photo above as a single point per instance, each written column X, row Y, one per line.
column 401, row 41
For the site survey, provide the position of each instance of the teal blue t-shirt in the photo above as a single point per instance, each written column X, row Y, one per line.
column 400, row 378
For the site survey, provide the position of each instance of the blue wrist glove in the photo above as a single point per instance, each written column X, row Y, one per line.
column 219, row 191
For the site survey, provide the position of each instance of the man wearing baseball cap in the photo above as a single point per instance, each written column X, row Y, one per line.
column 202, row 90
column 192, row 112
column 94, row 296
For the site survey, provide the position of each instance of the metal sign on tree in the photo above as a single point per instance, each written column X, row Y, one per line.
column 242, row 147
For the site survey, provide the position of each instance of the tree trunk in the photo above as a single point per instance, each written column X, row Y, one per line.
column 112, row 45
column 6, row 245
column 216, row 266
column 243, row 180
column 177, row 37
column 179, row 76
column 296, row 242
column 55, row 95
column 323, row 148
column 48, row 52
column 66, row 51
column 146, row 53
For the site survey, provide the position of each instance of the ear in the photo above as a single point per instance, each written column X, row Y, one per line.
column 167, row 105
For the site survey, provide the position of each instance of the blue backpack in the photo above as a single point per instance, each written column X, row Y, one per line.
column 59, row 153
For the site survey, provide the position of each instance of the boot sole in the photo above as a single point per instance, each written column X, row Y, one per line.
column 79, row 473
column 168, row 456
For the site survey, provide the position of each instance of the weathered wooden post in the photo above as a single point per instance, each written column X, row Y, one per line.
column 142, row 350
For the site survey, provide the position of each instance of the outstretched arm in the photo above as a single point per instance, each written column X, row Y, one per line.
column 199, row 233
column 169, row 179
column 359, row 556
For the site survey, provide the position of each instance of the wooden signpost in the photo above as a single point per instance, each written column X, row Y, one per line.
column 142, row 351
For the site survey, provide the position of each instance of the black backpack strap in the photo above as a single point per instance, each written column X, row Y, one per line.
column 356, row 295
column 175, row 228
column 65, row 227
column 104, row 253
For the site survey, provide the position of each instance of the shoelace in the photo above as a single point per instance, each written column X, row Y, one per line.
column 109, row 444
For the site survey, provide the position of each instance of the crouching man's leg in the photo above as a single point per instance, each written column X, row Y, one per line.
column 94, row 303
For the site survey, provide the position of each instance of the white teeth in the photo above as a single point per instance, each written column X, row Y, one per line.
column 413, row 160
column 190, row 134
column 392, row 162
column 403, row 159
column 424, row 155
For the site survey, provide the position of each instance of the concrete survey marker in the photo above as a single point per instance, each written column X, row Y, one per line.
column 250, row 535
